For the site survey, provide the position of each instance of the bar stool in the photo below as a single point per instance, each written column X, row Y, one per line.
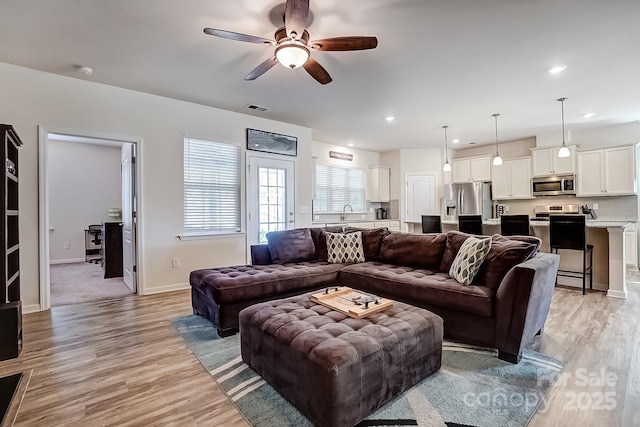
column 431, row 224
column 514, row 225
column 569, row 232
column 471, row 224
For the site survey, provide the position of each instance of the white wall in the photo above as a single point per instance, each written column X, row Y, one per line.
column 61, row 104
column 602, row 137
column 84, row 182
column 362, row 159
column 413, row 161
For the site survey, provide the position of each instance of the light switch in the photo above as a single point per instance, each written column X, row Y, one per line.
column 303, row 209
column 595, row 206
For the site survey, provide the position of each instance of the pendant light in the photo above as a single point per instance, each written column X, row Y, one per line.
column 564, row 150
column 447, row 165
column 497, row 160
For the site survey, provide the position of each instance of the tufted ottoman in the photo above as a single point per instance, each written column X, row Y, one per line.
column 335, row 369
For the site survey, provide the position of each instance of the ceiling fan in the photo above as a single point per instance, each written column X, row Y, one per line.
column 293, row 46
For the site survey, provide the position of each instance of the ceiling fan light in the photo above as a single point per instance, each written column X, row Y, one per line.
column 292, row 55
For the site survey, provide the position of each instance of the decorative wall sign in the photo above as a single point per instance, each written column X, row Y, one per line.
column 341, row 156
column 268, row 142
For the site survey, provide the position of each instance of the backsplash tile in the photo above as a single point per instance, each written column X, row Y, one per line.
column 609, row 208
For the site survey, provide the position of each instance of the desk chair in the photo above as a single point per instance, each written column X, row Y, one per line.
column 471, row 224
column 95, row 236
column 570, row 232
column 431, row 224
column 514, row 225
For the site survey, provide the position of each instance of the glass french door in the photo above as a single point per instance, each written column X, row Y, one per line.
column 271, row 197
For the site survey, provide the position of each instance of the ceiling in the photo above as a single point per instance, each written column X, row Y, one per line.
column 438, row 62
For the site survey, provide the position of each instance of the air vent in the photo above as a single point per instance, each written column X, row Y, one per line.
column 256, row 107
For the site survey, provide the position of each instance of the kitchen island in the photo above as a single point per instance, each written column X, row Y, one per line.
column 607, row 236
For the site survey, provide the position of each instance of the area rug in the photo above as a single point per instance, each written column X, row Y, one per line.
column 472, row 388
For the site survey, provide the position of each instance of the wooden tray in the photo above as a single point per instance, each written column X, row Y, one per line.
column 342, row 299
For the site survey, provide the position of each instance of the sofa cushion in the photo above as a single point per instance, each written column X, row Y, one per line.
column 467, row 262
column 252, row 282
column 371, row 241
column 413, row 250
column 419, row 287
column 291, row 245
column 505, row 253
column 320, row 240
column 455, row 239
column 345, row 247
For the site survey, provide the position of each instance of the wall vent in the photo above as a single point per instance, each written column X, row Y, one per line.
column 256, row 107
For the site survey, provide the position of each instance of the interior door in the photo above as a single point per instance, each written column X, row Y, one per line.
column 128, row 215
column 420, row 196
column 270, row 197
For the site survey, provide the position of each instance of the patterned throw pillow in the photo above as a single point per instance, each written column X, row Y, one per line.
column 469, row 259
column 343, row 248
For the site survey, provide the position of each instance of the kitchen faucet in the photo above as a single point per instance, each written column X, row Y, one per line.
column 343, row 217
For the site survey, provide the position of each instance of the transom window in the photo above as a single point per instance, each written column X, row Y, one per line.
column 211, row 187
column 337, row 186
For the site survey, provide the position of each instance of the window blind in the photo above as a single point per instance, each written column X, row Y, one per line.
column 211, row 186
column 337, row 186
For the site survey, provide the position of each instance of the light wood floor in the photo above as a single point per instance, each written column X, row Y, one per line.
column 120, row 362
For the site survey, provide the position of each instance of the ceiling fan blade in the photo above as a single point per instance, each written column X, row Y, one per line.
column 317, row 71
column 296, row 13
column 262, row 68
column 345, row 43
column 237, row 36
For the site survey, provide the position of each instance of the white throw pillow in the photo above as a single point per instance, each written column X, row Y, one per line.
column 343, row 248
column 469, row 259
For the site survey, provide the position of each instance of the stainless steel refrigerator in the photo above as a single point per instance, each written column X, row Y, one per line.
column 473, row 198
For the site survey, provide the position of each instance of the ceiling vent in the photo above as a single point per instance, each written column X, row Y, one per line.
column 256, row 107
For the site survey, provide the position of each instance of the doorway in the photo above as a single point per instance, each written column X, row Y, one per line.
column 86, row 180
column 270, row 197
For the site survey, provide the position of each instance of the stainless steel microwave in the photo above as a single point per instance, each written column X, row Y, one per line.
column 557, row 185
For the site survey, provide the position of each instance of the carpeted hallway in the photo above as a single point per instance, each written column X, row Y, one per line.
column 81, row 282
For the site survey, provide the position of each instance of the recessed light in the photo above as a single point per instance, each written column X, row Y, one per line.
column 557, row 69
column 350, row 144
column 87, row 71
column 455, row 141
column 588, row 115
column 390, row 119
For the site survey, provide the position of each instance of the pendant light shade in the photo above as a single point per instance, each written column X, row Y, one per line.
column 564, row 150
column 447, row 165
column 497, row 160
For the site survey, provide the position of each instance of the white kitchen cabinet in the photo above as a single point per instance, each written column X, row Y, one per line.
column 546, row 161
column 512, row 179
column 394, row 225
column 366, row 225
column 631, row 246
column 471, row 169
column 378, row 184
column 606, row 172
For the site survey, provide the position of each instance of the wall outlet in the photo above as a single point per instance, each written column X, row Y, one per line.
column 67, row 245
column 370, row 210
column 316, row 217
column 363, row 216
column 595, row 206
column 175, row 262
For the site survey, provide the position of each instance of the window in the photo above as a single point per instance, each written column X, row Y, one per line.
column 211, row 187
column 337, row 186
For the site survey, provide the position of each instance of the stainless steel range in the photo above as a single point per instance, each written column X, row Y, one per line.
column 542, row 212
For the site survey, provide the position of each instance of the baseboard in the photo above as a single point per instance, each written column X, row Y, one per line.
column 165, row 288
column 66, row 261
column 31, row 308
column 616, row 294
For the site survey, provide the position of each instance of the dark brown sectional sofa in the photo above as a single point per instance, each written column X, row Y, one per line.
column 504, row 307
